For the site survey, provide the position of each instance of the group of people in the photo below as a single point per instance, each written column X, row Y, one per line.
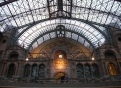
column 64, row 79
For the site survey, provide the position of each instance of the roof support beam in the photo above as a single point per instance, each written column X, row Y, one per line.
column 7, row 2
column 56, row 36
column 48, row 6
column 85, row 21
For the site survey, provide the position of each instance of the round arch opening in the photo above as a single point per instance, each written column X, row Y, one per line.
column 58, row 75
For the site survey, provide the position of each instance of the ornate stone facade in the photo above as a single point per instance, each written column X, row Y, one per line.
column 13, row 63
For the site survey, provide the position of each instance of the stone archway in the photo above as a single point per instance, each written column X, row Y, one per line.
column 58, row 76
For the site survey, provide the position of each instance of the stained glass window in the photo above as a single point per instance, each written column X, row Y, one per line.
column 95, row 71
column 34, row 70
column 87, row 71
column 27, row 70
column 80, row 71
column 41, row 71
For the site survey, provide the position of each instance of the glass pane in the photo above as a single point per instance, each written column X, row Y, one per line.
column 95, row 71
column 27, row 71
column 34, row 70
column 87, row 71
column 41, row 71
column 80, row 71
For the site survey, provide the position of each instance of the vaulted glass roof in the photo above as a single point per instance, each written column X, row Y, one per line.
column 35, row 21
column 60, row 28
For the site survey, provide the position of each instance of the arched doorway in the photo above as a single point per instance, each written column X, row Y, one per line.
column 11, row 71
column 58, row 76
column 112, row 69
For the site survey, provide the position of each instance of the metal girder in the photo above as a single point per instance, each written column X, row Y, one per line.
column 71, row 9
column 65, row 11
column 7, row 2
column 60, row 5
column 118, row 0
column 85, row 21
column 29, row 26
column 56, row 36
column 48, row 6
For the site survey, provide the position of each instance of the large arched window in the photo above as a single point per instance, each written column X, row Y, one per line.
column 95, row 71
column 27, row 70
column 80, row 71
column 110, row 55
column 112, row 69
column 13, row 55
column 87, row 71
column 41, row 71
column 34, row 70
column 11, row 71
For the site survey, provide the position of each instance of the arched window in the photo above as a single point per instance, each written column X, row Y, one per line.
column 13, row 55
column 80, row 71
column 112, row 69
column 41, row 71
column 87, row 71
column 110, row 55
column 95, row 71
column 11, row 71
column 27, row 70
column 34, row 70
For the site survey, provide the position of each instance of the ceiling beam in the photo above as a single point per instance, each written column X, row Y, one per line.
column 47, row 32
column 7, row 2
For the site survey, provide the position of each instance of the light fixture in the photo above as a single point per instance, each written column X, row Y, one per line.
column 27, row 59
column 60, row 56
column 93, row 58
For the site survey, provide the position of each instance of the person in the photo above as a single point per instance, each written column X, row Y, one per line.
column 66, row 79
column 62, row 79
column 36, row 79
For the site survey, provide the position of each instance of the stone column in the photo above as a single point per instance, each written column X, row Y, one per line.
column 18, row 69
column 118, row 68
column 107, row 72
column 84, row 71
column 37, row 70
column 104, row 70
column 14, row 70
column 30, row 70
column 119, row 64
column 91, row 71
column 4, row 70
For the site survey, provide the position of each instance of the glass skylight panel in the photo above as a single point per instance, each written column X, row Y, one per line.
column 52, row 35
column 86, row 44
column 81, row 40
column 40, row 40
column 74, row 36
column 73, row 25
column 68, row 34
column 46, row 37
column 35, row 45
